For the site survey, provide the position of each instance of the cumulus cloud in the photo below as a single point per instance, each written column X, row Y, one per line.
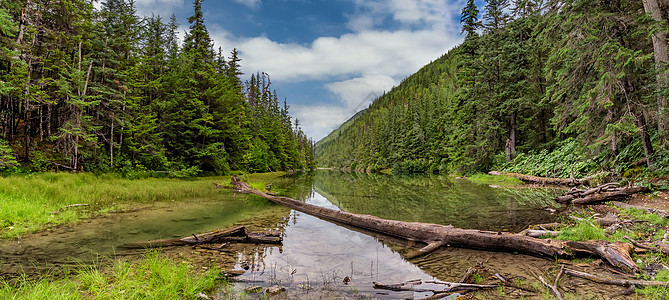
column 368, row 61
column 358, row 92
column 389, row 53
column 354, row 94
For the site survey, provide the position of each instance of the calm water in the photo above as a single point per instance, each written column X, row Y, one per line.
column 316, row 255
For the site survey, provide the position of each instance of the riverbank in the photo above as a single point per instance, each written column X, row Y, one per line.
column 155, row 276
column 35, row 202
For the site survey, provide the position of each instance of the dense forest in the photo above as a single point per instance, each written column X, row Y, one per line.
column 556, row 88
column 105, row 90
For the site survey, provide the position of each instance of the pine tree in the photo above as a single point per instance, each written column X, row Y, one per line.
column 469, row 19
column 496, row 16
column 197, row 41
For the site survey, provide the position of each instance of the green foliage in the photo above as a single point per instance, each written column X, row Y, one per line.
column 494, row 180
column 561, row 89
column 7, row 159
column 566, row 160
column 639, row 214
column 107, row 91
column 155, row 277
column 582, row 231
column 27, row 201
column 411, row 167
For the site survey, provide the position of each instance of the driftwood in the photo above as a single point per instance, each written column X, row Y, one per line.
column 602, row 193
column 554, row 287
column 414, row 285
column 539, row 233
column 237, row 234
column 545, row 180
column 618, row 282
column 435, row 235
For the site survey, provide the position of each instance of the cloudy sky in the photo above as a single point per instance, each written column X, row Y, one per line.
column 328, row 58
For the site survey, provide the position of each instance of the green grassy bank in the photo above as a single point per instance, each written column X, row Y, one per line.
column 155, row 277
column 34, row 202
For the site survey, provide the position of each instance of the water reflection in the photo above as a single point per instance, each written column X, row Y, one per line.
column 319, row 254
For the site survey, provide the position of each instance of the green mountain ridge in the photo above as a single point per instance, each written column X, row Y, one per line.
column 563, row 86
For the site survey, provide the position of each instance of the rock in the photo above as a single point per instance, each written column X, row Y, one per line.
column 275, row 290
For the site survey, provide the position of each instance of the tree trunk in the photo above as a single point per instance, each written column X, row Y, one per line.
column 512, row 135
column 111, row 144
column 645, row 138
column 436, row 236
column 659, row 38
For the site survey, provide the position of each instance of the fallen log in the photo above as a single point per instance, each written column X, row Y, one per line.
column 576, row 193
column 237, row 234
column 546, row 180
column 618, row 282
column 602, row 193
column 435, row 235
column 414, row 285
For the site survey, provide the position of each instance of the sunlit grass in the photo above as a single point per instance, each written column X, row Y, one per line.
column 494, row 180
column 582, row 231
column 156, row 277
column 27, row 202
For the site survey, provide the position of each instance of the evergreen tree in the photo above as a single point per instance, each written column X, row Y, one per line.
column 469, row 19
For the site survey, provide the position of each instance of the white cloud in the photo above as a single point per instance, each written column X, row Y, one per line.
column 249, row 3
column 358, row 92
column 354, row 94
column 367, row 61
column 365, row 53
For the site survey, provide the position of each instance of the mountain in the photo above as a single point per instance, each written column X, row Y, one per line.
column 566, row 87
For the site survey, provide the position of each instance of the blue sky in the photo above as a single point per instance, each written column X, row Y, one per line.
column 328, row 58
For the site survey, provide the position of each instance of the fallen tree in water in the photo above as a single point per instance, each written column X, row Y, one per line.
column 237, row 234
column 436, row 236
column 545, row 180
column 602, row 193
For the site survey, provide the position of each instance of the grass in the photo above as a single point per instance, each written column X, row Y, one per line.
column 639, row 214
column 502, row 181
column 155, row 277
column 582, row 231
column 27, row 201
column 657, row 292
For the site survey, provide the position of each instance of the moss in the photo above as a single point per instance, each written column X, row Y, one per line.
column 494, row 180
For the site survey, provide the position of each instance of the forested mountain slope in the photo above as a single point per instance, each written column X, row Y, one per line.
column 563, row 86
column 82, row 89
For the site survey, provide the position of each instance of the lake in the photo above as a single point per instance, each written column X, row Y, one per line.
column 315, row 255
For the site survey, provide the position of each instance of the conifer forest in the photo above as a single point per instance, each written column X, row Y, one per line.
column 557, row 88
column 104, row 90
